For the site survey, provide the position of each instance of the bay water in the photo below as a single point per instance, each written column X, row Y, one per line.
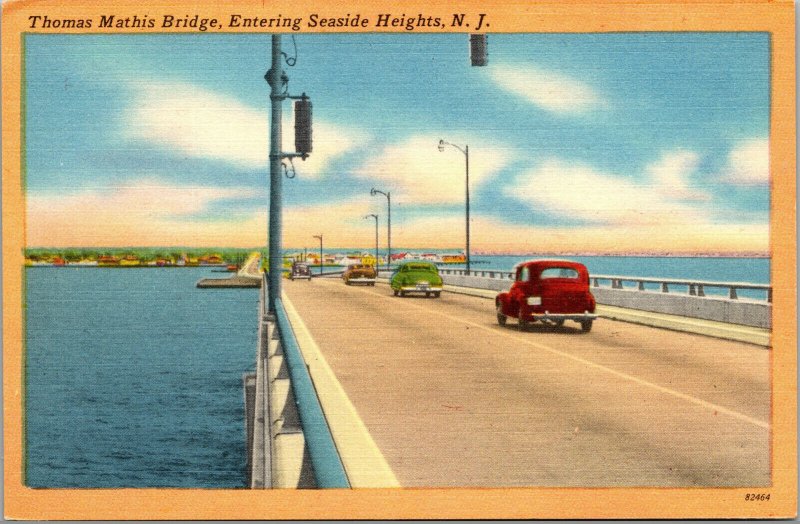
column 133, row 378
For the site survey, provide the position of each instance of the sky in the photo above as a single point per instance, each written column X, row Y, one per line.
column 609, row 143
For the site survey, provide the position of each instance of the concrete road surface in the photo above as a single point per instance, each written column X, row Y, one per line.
column 453, row 399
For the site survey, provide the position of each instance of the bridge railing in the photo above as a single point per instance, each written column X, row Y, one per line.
column 328, row 468
column 326, row 463
column 665, row 285
column 691, row 287
column 488, row 273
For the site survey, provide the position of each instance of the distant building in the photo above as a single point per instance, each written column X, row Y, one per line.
column 210, row 260
column 107, row 260
column 454, row 259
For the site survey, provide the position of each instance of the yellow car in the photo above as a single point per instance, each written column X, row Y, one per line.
column 359, row 274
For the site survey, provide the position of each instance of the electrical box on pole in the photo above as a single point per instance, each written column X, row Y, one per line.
column 478, row 50
column 302, row 126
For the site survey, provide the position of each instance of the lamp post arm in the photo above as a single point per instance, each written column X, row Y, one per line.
column 445, row 142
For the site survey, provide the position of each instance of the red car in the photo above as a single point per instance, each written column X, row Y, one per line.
column 548, row 291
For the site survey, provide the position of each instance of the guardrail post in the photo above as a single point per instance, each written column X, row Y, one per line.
column 664, row 287
column 732, row 295
column 769, row 295
column 700, row 291
column 691, row 290
column 641, row 285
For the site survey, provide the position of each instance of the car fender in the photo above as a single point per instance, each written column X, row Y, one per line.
column 502, row 300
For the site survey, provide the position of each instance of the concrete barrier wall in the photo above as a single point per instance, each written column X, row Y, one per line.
column 738, row 311
column 494, row 284
column 743, row 312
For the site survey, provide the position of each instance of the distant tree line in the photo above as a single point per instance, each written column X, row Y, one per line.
column 145, row 254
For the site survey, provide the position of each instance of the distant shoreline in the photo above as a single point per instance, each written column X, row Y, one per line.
column 395, row 249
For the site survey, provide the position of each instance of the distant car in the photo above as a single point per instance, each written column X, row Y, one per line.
column 416, row 277
column 548, row 291
column 359, row 274
column 300, row 271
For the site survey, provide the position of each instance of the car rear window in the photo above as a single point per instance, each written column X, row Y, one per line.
column 421, row 267
column 558, row 272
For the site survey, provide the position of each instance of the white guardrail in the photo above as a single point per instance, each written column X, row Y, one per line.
column 709, row 300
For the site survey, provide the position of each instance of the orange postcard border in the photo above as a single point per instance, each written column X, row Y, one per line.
column 776, row 18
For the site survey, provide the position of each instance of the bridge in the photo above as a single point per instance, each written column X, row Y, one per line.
column 419, row 392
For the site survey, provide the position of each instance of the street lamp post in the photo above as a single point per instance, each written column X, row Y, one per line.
column 321, row 260
column 278, row 82
column 388, row 196
column 275, row 79
column 376, row 239
column 442, row 143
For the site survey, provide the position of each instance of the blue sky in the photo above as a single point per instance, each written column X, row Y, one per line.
column 594, row 142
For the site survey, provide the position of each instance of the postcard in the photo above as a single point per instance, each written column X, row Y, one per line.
column 478, row 260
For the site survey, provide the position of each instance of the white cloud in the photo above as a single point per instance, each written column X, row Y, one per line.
column 144, row 197
column 147, row 212
column 200, row 124
column 551, row 91
column 490, row 234
column 204, row 124
column 748, row 163
column 328, row 142
column 671, row 174
column 416, row 172
column 578, row 191
column 152, row 213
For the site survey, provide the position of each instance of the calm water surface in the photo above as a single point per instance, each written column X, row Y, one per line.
column 134, row 378
column 719, row 269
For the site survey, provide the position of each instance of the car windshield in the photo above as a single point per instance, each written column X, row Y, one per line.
column 558, row 272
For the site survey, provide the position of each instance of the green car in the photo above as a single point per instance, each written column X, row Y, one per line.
column 416, row 277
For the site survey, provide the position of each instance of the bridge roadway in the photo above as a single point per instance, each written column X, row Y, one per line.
column 452, row 399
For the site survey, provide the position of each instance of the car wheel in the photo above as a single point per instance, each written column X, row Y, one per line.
column 436, row 294
column 524, row 323
column 402, row 293
column 396, row 292
column 586, row 326
column 501, row 318
column 427, row 295
column 559, row 322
